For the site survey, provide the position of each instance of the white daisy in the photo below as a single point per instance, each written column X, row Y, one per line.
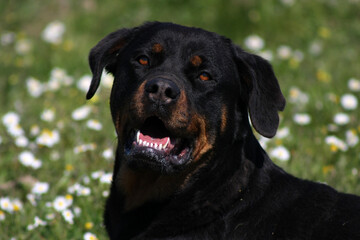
column 302, row 118
column 61, row 203
column 90, row 236
column 349, row 102
column 53, row 32
column 68, row 216
column 34, row 87
column 6, row 204
column 106, row 178
column 254, row 43
column 94, row 124
column 48, row 138
column 108, row 153
column 84, row 83
column 21, row 141
column 338, row 143
column 40, row 188
column 11, row 119
column 351, row 138
column 48, row 115
column 280, row 153
column 81, row 113
column 354, row 85
column 341, row 119
column 107, row 79
column 284, row 52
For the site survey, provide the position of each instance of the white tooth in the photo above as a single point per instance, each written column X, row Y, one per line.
column 167, row 142
column 160, row 146
column 144, row 143
column 137, row 136
column 140, row 142
column 151, row 145
column 156, row 146
column 147, row 144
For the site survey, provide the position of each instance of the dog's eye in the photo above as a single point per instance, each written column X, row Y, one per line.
column 204, row 76
column 143, row 60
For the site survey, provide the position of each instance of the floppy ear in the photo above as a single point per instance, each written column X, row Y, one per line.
column 104, row 54
column 263, row 92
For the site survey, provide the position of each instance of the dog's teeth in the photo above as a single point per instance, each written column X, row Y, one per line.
column 147, row 144
column 140, row 142
column 167, row 143
column 137, row 136
column 156, row 146
column 160, row 146
column 151, row 145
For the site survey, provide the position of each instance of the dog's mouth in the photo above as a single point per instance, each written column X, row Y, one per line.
column 153, row 145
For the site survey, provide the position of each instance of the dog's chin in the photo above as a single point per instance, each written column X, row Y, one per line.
column 153, row 147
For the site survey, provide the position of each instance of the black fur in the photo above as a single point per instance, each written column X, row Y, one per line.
column 226, row 187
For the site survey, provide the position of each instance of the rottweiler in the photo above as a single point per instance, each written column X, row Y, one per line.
column 188, row 165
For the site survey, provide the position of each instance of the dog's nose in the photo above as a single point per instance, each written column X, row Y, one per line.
column 162, row 90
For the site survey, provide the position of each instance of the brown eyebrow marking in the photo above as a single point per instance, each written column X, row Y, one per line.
column 157, row 48
column 196, row 61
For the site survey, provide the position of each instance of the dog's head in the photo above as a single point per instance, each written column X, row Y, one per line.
column 180, row 92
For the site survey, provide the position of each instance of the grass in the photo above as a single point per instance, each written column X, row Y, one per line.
column 323, row 40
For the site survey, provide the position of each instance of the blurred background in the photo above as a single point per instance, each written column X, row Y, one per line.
column 56, row 148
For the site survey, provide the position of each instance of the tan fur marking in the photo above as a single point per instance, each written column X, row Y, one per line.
column 196, row 61
column 203, row 143
column 138, row 100
column 223, row 118
column 157, row 48
column 180, row 113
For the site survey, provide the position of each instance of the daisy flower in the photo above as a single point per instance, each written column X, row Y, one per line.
column 84, row 83
column 284, row 52
column 108, row 154
column 336, row 143
column 280, row 153
column 53, row 32
column 40, row 188
column 349, row 102
column 48, row 138
column 354, row 85
column 6, row 204
column 254, row 43
column 48, row 115
column 90, row 236
column 341, row 119
column 34, row 87
column 94, row 124
column 68, row 216
column 302, row 118
column 61, row 203
column 81, row 113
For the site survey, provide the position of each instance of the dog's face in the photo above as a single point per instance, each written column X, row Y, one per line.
column 181, row 92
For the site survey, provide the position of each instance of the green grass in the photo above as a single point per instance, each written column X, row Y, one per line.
column 334, row 25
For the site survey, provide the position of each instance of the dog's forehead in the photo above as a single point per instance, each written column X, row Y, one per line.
column 175, row 37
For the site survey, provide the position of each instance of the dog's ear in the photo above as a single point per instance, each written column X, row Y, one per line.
column 104, row 54
column 262, row 92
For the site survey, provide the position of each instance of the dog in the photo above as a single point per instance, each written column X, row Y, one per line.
column 188, row 165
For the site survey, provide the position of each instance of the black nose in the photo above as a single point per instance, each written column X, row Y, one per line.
column 162, row 90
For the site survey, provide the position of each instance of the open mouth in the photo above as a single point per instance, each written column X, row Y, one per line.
column 155, row 145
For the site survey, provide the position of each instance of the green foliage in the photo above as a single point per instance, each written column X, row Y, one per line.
column 312, row 45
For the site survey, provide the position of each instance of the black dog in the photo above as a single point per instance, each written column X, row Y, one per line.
column 187, row 163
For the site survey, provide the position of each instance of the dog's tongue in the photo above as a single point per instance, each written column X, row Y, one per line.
column 163, row 141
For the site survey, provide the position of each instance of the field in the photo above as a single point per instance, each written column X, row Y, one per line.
column 56, row 148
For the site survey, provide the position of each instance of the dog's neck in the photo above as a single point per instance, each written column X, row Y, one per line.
column 141, row 186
